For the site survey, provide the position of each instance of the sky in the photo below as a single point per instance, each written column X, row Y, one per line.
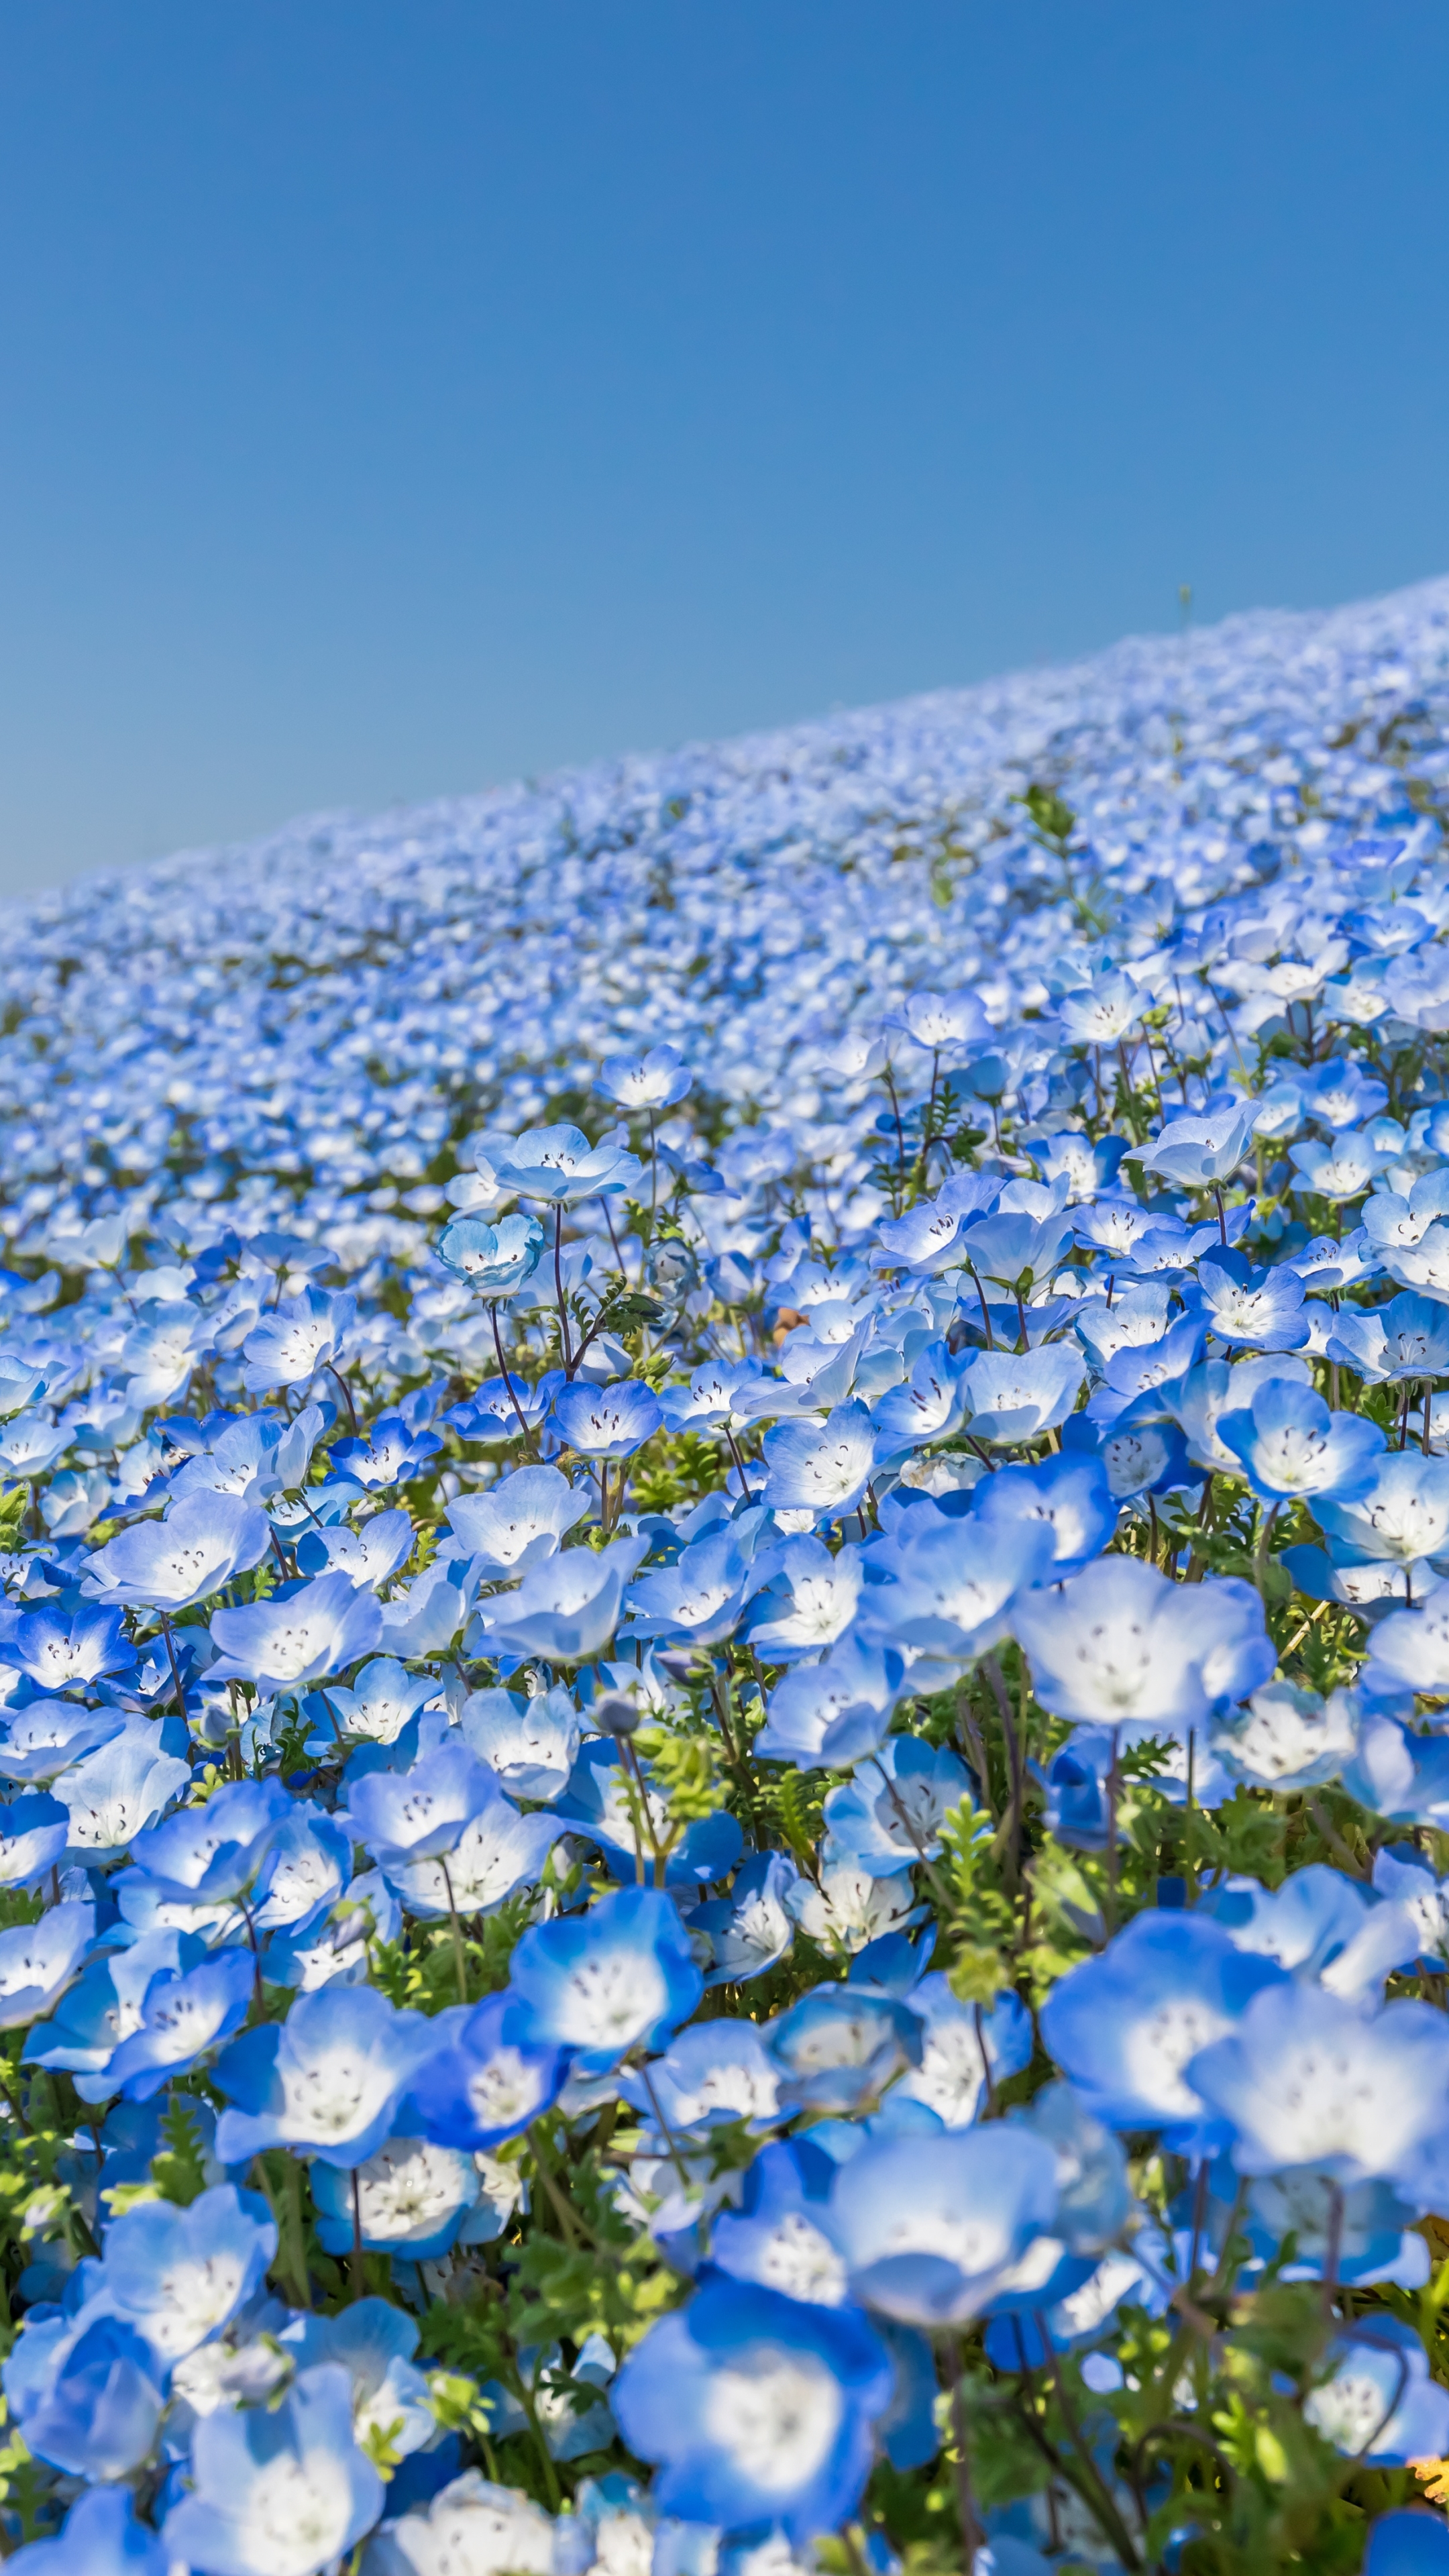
column 400, row 396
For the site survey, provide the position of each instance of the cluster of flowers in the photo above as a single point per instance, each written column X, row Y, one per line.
column 725, row 1842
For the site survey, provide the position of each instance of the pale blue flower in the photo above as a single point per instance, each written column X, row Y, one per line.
column 1013, row 1395
column 166, row 1565
column 301, row 1336
column 558, row 1164
column 279, row 2490
column 495, row 1260
column 524, row 1519
column 296, row 1637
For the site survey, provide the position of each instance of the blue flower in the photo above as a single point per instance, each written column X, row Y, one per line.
column 180, row 2275
column 382, row 1699
column 1402, row 1516
column 933, row 2227
column 34, row 1833
column 488, row 2080
column 525, row 1519
column 1199, row 1153
column 653, row 1081
column 567, row 1609
column 1126, row 2026
column 944, row 1586
column 606, row 1421
column 495, row 1260
column 182, row 2018
column 821, row 1469
column 114, row 1793
column 1068, row 1493
column 839, row 2047
column 166, row 1565
column 1405, row 1340
column 1261, row 1309
column 530, row 1743
column 86, row 2393
column 603, row 1798
column 39, row 1960
column 324, row 2082
column 100, row 2537
column 1307, row 2078
column 825, row 1715
column 931, row 1403
column 759, row 2409
column 206, row 1853
column 698, row 1600
column 966, row 2050
column 889, row 1816
column 1015, row 1395
column 301, row 1336
column 41, row 1741
column 278, row 2490
column 711, row 2075
column 559, row 1164
column 1291, row 1445
column 413, row 1815
column 807, row 1598
column 622, row 1976
column 409, row 2198
column 299, row 1637
column 748, row 1930
column 59, row 1650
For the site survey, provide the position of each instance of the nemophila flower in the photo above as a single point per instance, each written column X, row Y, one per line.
column 1141, row 1452
column 931, row 1403
column 182, row 2019
column 277, row 2491
column 206, row 1853
column 494, row 1259
column 1319, row 1924
column 1401, row 1342
column 708, row 1395
column 101, row 2009
column 1400, row 1776
column 324, row 2082
column 493, row 1411
column 34, row 1833
column 945, row 1586
column 305, row 1871
column 180, row 2275
column 656, row 1080
column 840, row 2046
column 412, row 2197
column 711, row 2075
column 965, row 2051
column 58, row 1651
column 86, row 2393
column 99, row 2537
column 932, row 2227
column 1013, row 1396
column 497, row 1852
column 1291, row 1445
column 368, row 1555
column 531, row 1744
column 299, row 1337
column 315, row 1629
column 758, row 2409
column 413, row 1815
column 393, row 1450
column 558, row 1164
column 1342, row 1170
column 1015, row 1246
column 469, row 2524
column 1405, row 1877
column 701, row 1598
column 748, row 1930
column 889, row 1816
column 1378, row 2403
column 383, row 1697
column 825, row 1715
column 1424, row 1265
column 525, row 1519
column 621, row 1977
column 806, row 1600
column 1288, row 1738
column 113, row 1793
column 39, row 1960
column 1199, row 1153
column 606, row 1421
column 1362, row 2233
column 1126, row 2025
column 844, row 1908
column 1114, row 1643
column 487, row 2080
column 167, row 1565
column 567, row 1608
column 1259, row 1309
column 1401, row 1517
column 1307, row 2078
column 1068, row 1494
column 822, row 1470
column 1409, row 1650
column 926, row 1239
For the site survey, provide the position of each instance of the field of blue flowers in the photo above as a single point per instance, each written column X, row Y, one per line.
column 724, row 1659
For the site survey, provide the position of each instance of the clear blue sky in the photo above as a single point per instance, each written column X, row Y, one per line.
column 398, row 395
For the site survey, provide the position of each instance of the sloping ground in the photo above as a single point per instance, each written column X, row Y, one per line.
column 316, row 1016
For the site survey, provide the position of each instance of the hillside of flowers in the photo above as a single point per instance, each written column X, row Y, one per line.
column 724, row 1657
